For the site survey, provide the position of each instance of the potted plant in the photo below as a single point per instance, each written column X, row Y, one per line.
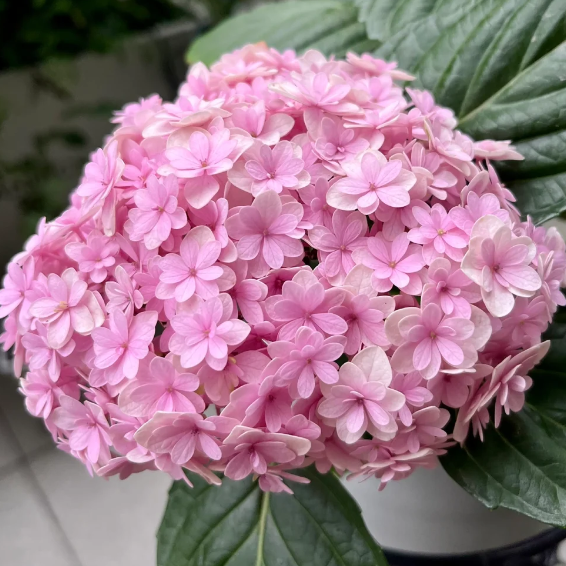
column 303, row 269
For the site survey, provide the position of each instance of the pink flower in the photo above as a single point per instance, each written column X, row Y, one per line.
column 206, row 334
column 157, row 212
column 97, row 186
column 495, row 150
column 362, row 400
column 425, row 338
column 42, row 355
column 453, row 387
column 507, row 385
column 120, row 347
column 251, row 450
column 123, row 293
column 438, row 234
column 317, row 211
column 309, row 356
column 337, row 143
column 254, row 120
column 393, row 263
column 527, row 321
column 158, row 387
column 43, row 394
column 181, row 435
column 336, row 246
column 305, row 302
column 86, row 428
column 261, row 404
column 369, row 182
column 271, row 170
column 193, row 271
column 267, row 230
column 364, row 317
column 426, row 428
column 450, row 289
column 477, row 207
column 246, row 367
column 94, row 257
column 15, row 284
column 416, row 395
column 248, row 294
column 68, row 307
column 499, row 263
column 207, row 155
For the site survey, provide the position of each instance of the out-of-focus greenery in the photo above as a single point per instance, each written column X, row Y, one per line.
column 32, row 31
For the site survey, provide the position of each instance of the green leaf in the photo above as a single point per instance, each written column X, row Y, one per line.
column 328, row 25
column 522, row 464
column 237, row 524
column 500, row 65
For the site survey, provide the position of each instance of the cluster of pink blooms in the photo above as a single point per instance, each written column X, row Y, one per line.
column 295, row 262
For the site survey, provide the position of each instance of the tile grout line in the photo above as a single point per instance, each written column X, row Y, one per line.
column 23, row 462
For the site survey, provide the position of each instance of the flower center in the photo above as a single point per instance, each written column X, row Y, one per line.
column 62, row 306
column 203, row 164
column 392, row 263
column 441, row 232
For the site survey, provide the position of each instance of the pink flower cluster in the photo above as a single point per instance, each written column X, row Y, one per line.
column 295, row 262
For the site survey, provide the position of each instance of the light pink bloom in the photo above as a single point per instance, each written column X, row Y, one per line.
column 182, row 435
column 248, row 294
column 317, row 211
column 157, row 212
column 453, row 387
column 499, row 263
column 246, row 367
column 42, row 355
column 309, row 356
column 424, row 431
column 123, row 293
column 96, row 256
column 206, row 334
column 496, row 150
column 437, row 234
column 336, row 143
column 192, row 271
column 42, row 393
column 411, row 385
column 251, row 450
column 271, row 169
column 477, row 207
column 305, row 302
column 369, row 182
column 267, row 230
column 393, row 263
column 450, row 289
column 85, row 426
column 214, row 216
column 362, row 400
column 365, row 319
column 527, row 321
column 507, row 385
column 68, row 307
column 15, row 284
column 336, row 246
column 207, row 155
column 261, row 404
column 425, row 337
column 158, row 387
column 254, row 120
column 120, row 347
column 98, row 184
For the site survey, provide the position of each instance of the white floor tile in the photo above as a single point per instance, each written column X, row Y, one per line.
column 9, row 450
column 28, row 535
column 109, row 522
column 30, row 431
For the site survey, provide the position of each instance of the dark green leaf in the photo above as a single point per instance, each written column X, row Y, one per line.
column 522, row 464
column 239, row 525
column 328, row 25
column 499, row 64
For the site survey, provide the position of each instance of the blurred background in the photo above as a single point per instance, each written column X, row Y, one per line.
column 65, row 65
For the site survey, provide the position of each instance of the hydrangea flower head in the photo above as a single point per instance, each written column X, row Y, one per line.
column 295, row 262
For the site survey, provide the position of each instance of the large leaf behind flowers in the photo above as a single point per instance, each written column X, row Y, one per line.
column 501, row 66
column 239, row 525
column 328, row 25
column 522, row 464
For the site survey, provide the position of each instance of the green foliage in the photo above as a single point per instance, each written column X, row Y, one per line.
column 35, row 30
column 328, row 25
column 522, row 464
column 239, row 525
